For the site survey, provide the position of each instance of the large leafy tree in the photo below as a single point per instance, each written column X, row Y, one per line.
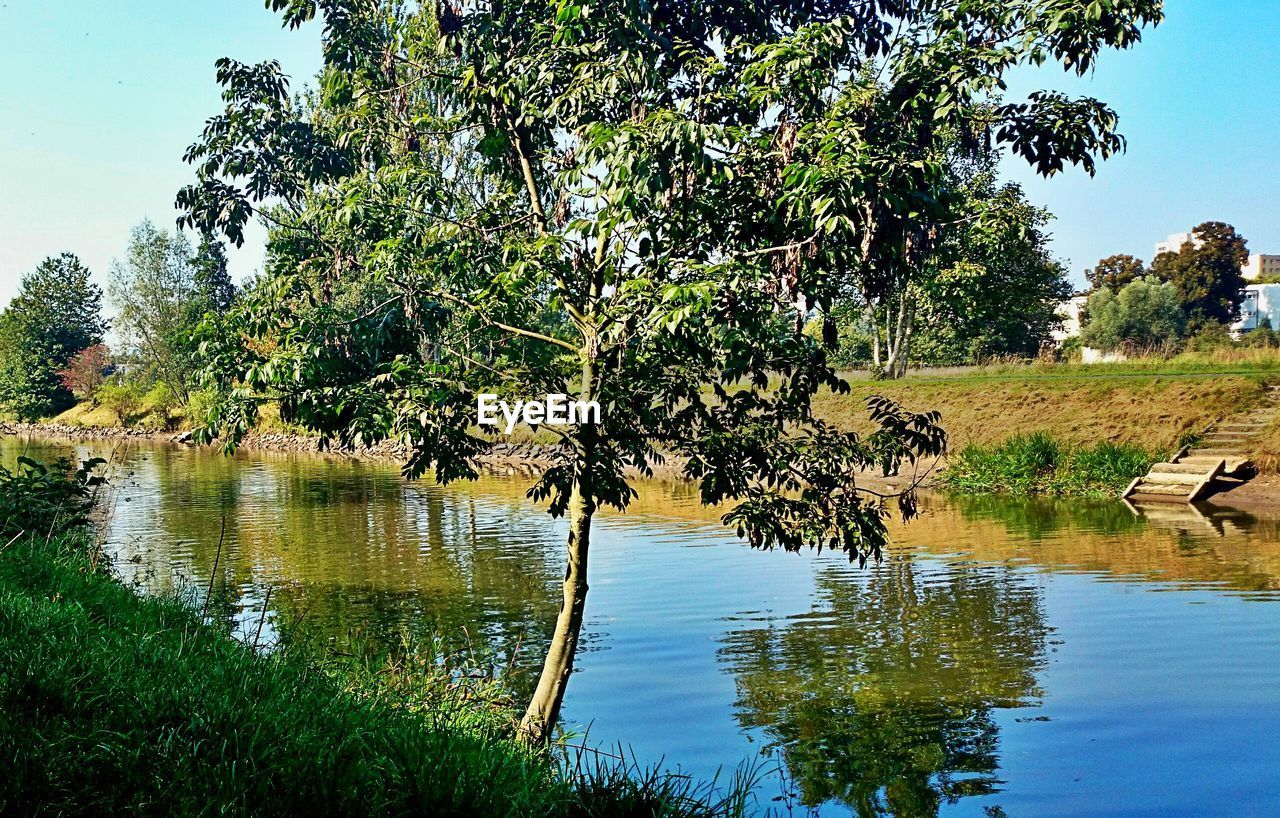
column 1205, row 271
column 56, row 314
column 997, row 288
column 636, row 203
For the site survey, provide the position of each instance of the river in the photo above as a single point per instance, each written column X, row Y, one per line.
column 1019, row 658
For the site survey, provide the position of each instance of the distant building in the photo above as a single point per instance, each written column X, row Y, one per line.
column 1261, row 301
column 1070, row 311
column 1261, row 266
column 1175, row 241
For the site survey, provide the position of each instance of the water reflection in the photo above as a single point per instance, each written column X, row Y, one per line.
column 882, row 696
column 894, row 690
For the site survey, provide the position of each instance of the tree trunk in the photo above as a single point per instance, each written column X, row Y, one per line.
column 544, row 708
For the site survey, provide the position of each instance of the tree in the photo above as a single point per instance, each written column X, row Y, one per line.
column 997, row 289
column 56, row 314
column 84, row 372
column 1115, row 272
column 635, row 204
column 162, row 290
column 1145, row 314
column 1206, row 273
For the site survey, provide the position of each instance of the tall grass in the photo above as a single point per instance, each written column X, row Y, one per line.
column 1040, row 464
column 114, row 704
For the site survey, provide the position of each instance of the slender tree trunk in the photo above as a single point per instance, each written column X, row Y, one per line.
column 544, row 708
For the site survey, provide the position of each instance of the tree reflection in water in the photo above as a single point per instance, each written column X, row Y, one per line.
column 883, row 696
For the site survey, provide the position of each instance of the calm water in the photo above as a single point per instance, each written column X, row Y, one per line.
column 1008, row 658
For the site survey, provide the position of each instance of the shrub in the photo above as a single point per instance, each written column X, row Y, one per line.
column 121, row 397
column 162, row 400
column 1211, row 336
column 1144, row 314
column 46, row 501
column 83, row 375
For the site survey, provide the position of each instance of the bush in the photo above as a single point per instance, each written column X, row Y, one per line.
column 46, row 501
column 162, row 401
column 1210, row 337
column 1143, row 315
column 122, row 398
column 1039, row 464
column 83, row 375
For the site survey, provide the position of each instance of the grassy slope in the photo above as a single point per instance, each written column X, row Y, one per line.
column 1152, row 411
column 114, row 704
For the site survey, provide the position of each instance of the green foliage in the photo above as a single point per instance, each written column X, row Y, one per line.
column 1206, row 273
column 1115, row 272
column 162, row 291
column 997, row 289
column 634, row 204
column 162, row 401
column 1209, row 337
column 1144, row 315
column 56, row 314
column 46, row 501
column 1039, row 464
column 1261, row 337
column 123, row 397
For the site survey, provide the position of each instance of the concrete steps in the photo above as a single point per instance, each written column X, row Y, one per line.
column 1222, row 452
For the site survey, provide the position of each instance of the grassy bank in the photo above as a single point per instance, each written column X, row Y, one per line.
column 1148, row 410
column 115, row 704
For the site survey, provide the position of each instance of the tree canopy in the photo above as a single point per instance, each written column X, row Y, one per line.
column 1144, row 314
column 56, row 314
column 1115, row 272
column 1205, row 272
column 162, row 290
column 638, row 204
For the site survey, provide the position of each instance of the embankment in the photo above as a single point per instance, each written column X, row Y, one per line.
column 1102, row 419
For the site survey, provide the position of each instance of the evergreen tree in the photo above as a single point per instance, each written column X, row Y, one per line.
column 56, row 314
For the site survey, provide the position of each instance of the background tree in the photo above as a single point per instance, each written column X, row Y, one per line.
column 1206, row 273
column 634, row 204
column 1145, row 314
column 998, row 292
column 85, row 371
column 162, row 290
column 1115, row 272
column 56, row 314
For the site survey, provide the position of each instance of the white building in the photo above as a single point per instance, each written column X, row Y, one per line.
column 1175, row 241
column 1070, row 311
column 1261, row 266
column 1261, row 301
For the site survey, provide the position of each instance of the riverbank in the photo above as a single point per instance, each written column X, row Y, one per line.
column 1105, row 419
column 112, row 704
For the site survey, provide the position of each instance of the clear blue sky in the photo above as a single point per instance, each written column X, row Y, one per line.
column 98, row 101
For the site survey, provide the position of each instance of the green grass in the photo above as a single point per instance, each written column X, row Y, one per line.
column 114, row 704
column 1040, row 464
